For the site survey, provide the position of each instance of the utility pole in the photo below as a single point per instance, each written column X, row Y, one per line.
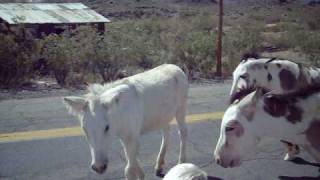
column 219, row 42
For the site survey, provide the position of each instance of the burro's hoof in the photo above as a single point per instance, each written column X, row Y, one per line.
column 288, row 157
column 292, row 152
column 159, row 173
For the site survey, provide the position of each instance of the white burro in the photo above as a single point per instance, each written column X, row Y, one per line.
column 129, row 108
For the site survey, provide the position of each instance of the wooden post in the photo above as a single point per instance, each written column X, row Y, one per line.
column 219, row 41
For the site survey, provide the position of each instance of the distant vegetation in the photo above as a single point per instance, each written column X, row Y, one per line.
column 143, row 35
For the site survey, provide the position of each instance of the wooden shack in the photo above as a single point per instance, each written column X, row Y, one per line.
column 49, row 17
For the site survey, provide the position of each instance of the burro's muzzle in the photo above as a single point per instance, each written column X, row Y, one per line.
column 227, row 162
column 100, row 167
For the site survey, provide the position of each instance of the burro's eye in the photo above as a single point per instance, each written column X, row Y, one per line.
column 228, row 129
column 106, row 129
column 243, row 76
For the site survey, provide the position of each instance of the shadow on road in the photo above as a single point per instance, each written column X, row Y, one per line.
column 301, row 161
column 298, row 178
column 213, row 178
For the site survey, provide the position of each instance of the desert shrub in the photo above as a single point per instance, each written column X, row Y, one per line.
column 284, row 26
column 311, row 42
column 85, row 52
column 303, row 41
column 59, row 52
column 311, row 47
column 75, row 55
column 17, row 55
column 109, row 54
column 313, row 23
column 100, row 54
column 203, row 22
column 241, row 40
column 295, row 37
column 196, row 53
column 300, row 39
column 136, row 41
column 257, row 16
column 183, row 40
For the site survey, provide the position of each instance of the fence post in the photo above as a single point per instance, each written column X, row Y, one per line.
column 219, row 42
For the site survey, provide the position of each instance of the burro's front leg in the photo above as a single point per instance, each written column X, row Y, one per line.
column 133, row 170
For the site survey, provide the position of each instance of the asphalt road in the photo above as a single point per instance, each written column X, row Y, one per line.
column 68, row 157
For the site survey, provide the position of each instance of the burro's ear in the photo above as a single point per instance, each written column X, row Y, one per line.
column 74, row 104
column 110, row 100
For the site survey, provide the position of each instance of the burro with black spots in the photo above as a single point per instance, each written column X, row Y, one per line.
column 291, row 117
column 276, row 75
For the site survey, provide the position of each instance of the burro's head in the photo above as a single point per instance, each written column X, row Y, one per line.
column 249, row 73
column 95, row 113
column 273, row 75
column 238, row 137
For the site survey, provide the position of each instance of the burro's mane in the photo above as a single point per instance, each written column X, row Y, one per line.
column 98, row 89
column 241, row 93
column 301, row 93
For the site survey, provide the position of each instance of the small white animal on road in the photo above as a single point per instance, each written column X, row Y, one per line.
column 186, row 171
column 293, row 117
column 129, row 108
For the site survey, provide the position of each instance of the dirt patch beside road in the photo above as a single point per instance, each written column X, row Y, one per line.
column 39, row 91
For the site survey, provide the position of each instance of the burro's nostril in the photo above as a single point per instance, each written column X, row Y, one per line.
column 99, row 168
column 104, row 167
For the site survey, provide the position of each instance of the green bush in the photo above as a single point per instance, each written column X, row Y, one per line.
column 239, row 41
column 61, row 56
column 83, row 55
column 17, row 56
column 108, row 56
column 311, row 46
column 75, row 55
column 187, row 42
column 196, row 53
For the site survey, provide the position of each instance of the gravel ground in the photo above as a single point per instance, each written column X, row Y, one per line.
column 51, row 89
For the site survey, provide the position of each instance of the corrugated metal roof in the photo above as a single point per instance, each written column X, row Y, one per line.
column 42, row 13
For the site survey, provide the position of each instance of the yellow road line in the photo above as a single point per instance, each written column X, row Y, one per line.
column 77, row 131
column 204, row 116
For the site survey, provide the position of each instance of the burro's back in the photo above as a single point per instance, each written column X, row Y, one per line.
column 161, row 76
column 163, row 92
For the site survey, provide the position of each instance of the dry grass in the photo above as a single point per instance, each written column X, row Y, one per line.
column 146, row 33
